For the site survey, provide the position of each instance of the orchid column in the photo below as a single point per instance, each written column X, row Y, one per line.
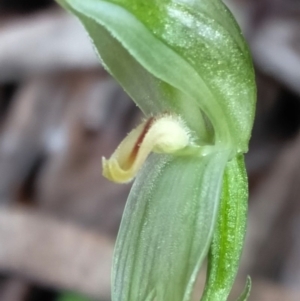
column 187, row 67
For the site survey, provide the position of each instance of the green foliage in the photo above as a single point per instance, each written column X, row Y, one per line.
column 227, row 243
column 72, row 297
column 246, row 293
column 187, row 58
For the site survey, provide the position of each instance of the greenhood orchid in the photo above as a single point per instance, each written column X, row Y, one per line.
column 188, row 68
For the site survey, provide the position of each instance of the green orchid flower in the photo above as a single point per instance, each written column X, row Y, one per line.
column 188, row 68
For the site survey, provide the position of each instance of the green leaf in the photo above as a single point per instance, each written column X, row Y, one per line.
column 228, row 239
column 167, row 227
column 183, row 56
column 246, row 293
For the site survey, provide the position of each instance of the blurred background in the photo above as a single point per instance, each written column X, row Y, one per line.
column 60, row 112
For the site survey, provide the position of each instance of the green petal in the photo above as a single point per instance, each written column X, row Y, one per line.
column 167, row 227
column 191, row 49
column 228, row 239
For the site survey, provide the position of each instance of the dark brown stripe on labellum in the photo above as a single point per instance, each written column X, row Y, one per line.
column 139, row 141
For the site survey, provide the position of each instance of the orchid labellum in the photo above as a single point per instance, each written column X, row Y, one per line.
column 187, row 67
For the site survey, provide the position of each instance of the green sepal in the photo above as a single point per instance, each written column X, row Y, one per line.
column 190, row 52
column 167, row 227
column 152, row 95
column 228, row 239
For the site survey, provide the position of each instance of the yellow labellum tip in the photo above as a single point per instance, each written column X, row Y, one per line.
column 164, row 134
